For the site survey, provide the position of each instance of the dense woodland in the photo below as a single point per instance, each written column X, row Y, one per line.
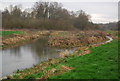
column 46, row 15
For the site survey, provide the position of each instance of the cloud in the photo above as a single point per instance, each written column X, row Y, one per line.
column 86, row 0
column 62, row 0
column 19, row 0
column 101, row 18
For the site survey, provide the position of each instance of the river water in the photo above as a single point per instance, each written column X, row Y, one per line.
column 27, row 55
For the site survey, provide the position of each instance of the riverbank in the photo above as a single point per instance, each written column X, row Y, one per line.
column 66, row 39
column 16, row 39
column 100, row 61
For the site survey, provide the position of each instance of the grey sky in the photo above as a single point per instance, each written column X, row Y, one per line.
column 62, row 0
column 101, row 11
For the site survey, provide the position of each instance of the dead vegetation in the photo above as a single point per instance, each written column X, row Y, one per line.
column 53, row 71
column 12, row 41
column 75, row 39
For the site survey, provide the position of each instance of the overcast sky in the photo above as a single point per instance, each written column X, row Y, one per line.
column 101, row 11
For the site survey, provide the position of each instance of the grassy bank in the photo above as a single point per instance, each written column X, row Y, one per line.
column 15, row 38
column 100, row 63
column 6, row 33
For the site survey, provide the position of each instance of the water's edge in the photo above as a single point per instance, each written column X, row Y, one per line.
column 69, row 51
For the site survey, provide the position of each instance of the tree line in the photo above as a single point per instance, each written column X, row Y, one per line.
column 46, row 15
column 109, row 26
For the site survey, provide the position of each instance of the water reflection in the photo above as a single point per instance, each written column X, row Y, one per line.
column 25, row 56
column 15, row 51
column 41, row 49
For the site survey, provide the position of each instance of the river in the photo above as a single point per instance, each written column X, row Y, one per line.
column 30, row 54
column 27, row 55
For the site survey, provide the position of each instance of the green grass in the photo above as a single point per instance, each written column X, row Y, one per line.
column 36, row 75
column 118, row 35
column 101, row 63
column 111, row 31
column 114, row 33
column 6, row 33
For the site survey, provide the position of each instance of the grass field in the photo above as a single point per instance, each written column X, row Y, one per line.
column 101, row 63
column 6, row 33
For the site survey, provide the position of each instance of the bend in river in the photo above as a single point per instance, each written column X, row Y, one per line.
column 27, row 55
